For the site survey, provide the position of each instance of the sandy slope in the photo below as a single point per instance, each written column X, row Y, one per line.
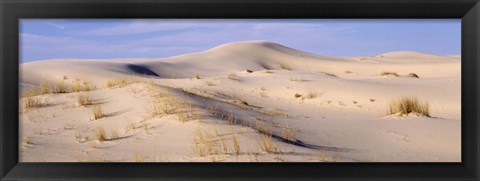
column 344, row 120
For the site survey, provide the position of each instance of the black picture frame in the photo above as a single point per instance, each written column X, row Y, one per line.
column 13, row 10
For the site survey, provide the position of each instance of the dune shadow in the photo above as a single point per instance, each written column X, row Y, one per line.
column 142, row 70
column 118, row 112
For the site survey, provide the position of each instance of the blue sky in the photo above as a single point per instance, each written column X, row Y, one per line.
column 142, row 38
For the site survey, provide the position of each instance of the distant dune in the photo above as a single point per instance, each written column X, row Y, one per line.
column 242, row 101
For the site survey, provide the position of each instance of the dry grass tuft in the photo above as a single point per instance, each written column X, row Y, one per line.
column 407, row 105
column 311, row 94
column 301, row 79
column 208, row 83
column 236, row 145
column 97, row 112
column 232, row 76
column 138, row 157
column 114, row 135
column 84, row 100
column 31, row 102
column 81, row 86
column 284, row 67
column 117, row 83
column 101, row 135
column 266, row 143
column 393, row 74
column 197, row 76
column 61, row 87
column 43, row 88
column 287, row 133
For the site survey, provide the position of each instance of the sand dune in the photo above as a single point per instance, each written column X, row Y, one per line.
column 206, row 106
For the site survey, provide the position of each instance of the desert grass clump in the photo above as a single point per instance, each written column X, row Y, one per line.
column 208, row 83
column 84, row 100
column 393, row 74
column 101, row 135
column 114, row 135
column 31, row 92
column 284, row 67
column 236, row 145
column 61, row 87
column 31, row 102
column 264, row 128
column 232, row 76
column 266, row 143
column 117, row 83
column 138, row 157
column 287, row 133
column 97, row 112
column 43, row 88
column 197, row 76
column 81, row 86
column 311, row 94
column 407, row 105
column 301, row 79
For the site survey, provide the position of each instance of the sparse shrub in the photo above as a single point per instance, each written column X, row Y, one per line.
column 393, row 74
column 297, row 95
column 372, row 100
column 413, row 75
column 97, row 112
column 197, row 76
column 407, row 105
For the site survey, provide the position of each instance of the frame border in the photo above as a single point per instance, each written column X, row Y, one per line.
column 13, row 10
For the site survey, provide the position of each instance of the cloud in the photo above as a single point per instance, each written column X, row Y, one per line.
column 56, row 25
column 172, row 37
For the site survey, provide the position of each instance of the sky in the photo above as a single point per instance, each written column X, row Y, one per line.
column 42, row 39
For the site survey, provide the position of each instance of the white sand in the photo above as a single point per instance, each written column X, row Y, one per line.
column 346, row 121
